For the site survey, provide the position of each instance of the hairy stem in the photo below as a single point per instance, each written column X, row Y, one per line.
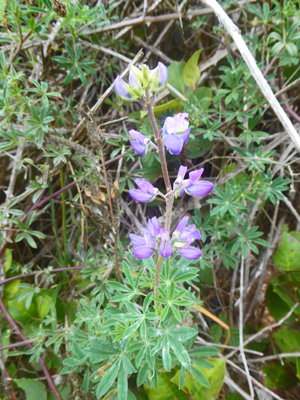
column 164, row 168
column 162, row 157
column 157, row 274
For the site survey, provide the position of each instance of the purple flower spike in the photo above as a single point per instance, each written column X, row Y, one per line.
column 191, row 186
column 122, row 89
column 146, row 193
column 176, row 132
column 165, row 247
column 159, row 76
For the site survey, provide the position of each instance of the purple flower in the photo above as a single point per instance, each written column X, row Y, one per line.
column 130, row 92
column 154, row 236
column 184, row 236
column 144, row 246
column 191, row 186
column 153, row 227
column 165, row 247
column 142, row 145
column 159, row 77
column 147, row 191
column 176, row 132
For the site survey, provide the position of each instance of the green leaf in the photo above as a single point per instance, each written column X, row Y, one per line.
column 199, row 376
column 166, row 390
column 191, row 71
column 215, row 377
column 70, row 76
column 85, row 384
column 204, row 351
column 122, row 383
column 175, row 77
column 118, row 286
column 19, row 312
column 182, row 377
column 287, row 257
column 108, row 379
column 298, row 367
column 276, row 305
column 147, row 302
column 180, row 353
column 197, row 147
column 204, row 94
column 173, row 105
column 167, row 359
column 82, row 76
column 127, row 273
column 131, row 329
column 127, row 365
column 277, row 376
column 33, row 390
column 183, row 333
column 233, row 396
column 287, row 339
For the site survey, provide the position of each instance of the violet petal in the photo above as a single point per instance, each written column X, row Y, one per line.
column 143, row 252
column 165, row 249
column 173, row 143
column 190, row 236
column 182, row 224
column 145, row 185
column 201, row 188
column 191, row 253
column 194, row 176
column 138, row 148
column 137, row 240
column 169, row 126
column 181, row 172
column 121, row 88
column 139, row 195
column 137, row 135
column 185, row 136
column 156, row 226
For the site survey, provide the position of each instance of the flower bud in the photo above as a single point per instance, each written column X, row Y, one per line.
column 135, row 84
column 159, row 76
column 146, row 76
column 124, row 90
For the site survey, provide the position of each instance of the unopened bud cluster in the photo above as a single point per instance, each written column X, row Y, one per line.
column 141, row 80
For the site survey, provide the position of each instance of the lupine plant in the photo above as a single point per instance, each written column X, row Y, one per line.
column 146, row 333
